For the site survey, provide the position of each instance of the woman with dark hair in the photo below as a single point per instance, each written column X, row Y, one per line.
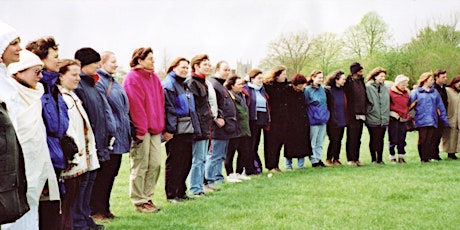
column 259, row 114
column 55, row 117
column 337, row 105
column 428, row 110
column 298, row 125
column 146, row 106
column 450, row 138
column 242, row 143
column 378, row 112
column 276, row 85
column 179, row 107
column 318, row 115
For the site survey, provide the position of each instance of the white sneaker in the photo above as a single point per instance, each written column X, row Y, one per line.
column 242, row 177
column 233, row 178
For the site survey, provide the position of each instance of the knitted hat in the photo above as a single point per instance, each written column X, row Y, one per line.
column 87, row 56
column 355, row 68
column 7, row 35
column 400, row 78
column 28, row 59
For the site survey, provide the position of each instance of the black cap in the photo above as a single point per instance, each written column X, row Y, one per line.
column 87, row 56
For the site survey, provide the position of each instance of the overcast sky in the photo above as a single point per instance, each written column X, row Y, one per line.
column 226, row 30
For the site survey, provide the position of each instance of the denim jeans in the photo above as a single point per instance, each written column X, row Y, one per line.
column 317, row 134
column 81, row 210
column 214, row 160
column 300, row 163
column 199, row 150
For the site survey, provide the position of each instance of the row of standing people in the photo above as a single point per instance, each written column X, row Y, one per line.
column 47, row 99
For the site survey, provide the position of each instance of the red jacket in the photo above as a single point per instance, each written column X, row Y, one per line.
column 146, row 101
column 399, row 101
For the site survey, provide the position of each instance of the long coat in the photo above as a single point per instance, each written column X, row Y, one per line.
column 450, row 141
column 298, row 126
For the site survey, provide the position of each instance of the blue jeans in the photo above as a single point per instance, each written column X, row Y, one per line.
column 317, row 134
column 80, row 210
column 214, row 160
column 199, row 150
column 300, row 163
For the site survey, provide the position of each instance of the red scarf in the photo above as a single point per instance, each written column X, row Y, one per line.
column 202, row 76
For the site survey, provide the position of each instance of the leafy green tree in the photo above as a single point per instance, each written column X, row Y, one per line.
column 292, row 50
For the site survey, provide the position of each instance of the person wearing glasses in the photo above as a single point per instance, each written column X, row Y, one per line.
column 32, row 136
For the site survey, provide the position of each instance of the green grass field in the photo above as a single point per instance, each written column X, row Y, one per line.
column 410, row 196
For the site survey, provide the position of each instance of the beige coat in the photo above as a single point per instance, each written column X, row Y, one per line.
column 450, row 142
column 86, row 159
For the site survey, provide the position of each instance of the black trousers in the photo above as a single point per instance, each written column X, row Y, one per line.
column 273, row 142
column 49, row 216
column 397, row 136
column 256, row 131
column 354, row 132
column 244, row 159
column 426, row 143
column 100, row 197
column 376, row 135
column 178, row 164
column 335, row 135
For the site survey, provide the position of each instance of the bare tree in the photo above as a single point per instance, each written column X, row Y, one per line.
column 291, row 50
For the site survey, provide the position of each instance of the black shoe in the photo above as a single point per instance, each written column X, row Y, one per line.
column 452, row 156
column 185, row 197
column 315, row 165
column 97, row 227
column 425, row 161
column 321, row 164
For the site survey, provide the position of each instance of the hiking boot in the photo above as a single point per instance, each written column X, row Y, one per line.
column 329, row 162
column 100, row 217
column 144, row 208
column 153, row 206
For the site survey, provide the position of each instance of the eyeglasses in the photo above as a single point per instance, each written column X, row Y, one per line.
column 38, row 72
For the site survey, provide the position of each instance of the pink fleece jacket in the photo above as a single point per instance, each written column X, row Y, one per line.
column 146, row 101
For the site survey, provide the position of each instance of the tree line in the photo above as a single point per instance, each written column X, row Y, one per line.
column 435, row 46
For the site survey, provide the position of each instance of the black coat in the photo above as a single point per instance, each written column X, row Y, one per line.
column 13, row 186
column 200, row 92
column 227, row 111
column 278, row 94
column 297, row 143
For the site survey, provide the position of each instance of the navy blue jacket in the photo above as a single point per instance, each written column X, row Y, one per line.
column 250, row 94
column 179, row 102
column 99, row 114
column 227, row 111
column 118, row 101
column 56, row 122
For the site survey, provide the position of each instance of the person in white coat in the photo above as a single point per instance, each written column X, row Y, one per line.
column 31, row 133
column 81, row 131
